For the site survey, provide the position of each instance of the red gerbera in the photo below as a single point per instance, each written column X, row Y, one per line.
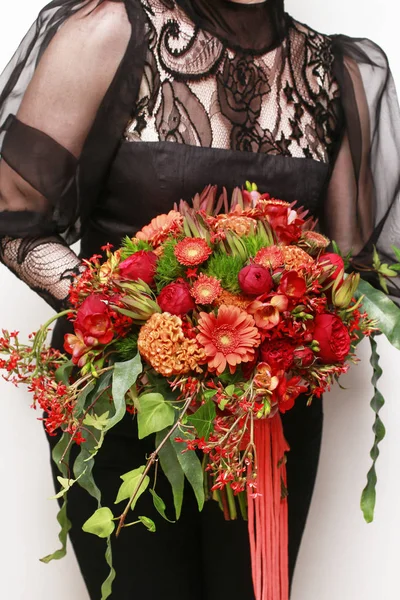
column 270, row 257
column 206, row 289
column 192, row 251
column 228, row 338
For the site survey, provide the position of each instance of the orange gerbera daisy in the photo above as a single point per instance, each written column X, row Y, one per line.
column 160, row 227
column 206, row 289
column 229, row 338
column 192, row 251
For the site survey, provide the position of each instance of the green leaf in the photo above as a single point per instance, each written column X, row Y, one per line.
column 229, row 390
column 151, row 526
column 63, row 372
column 380, row 307
column 101, row 523
column 124, row 377
column 81, row 400
column 62, row 518
column 154, row 414
column 129, row 485
column 192, row 468
column 106, row 588
column 396, row 252
column 368, row 498
column 160, row 505
column 172, row 470
column 96, row 421
column 203, row 419
column 386, row 270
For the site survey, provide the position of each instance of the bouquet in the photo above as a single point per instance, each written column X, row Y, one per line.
column 204, row 327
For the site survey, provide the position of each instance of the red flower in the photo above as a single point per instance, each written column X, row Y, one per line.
column 288, row 391
column 75, row 345
column 255, row 280
column 192, row 251
column 176, row 299
column 304, row 357
column 330, row 259
column 271, row 256
column 93, row 321
column 279, row 354
column 206, row 289
column 285, row 222
column 141, row 265
column 333, row 338
column 292, row 285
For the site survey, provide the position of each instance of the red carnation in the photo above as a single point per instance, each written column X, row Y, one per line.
column 279, row 354
column 255, row 280
column 292, row 285
column 333, row 338
column 93, row 321
column 141, row 265
column 176, row 299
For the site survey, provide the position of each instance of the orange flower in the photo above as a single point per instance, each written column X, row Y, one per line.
column 270, row 257
column 241, row 225
column 206, row 289
column 314, row 241
column 239, row 300
column 192, row 251
column 160, row 227
column 228, row 338
column 163, row 344
column 296, row 259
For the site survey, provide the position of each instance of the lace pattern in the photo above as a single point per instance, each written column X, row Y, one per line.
column 47, row 265
column 196, row 90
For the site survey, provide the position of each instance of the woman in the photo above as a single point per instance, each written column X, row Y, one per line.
column 131, row 105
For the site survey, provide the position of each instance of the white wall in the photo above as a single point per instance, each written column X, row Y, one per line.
column 341, row 557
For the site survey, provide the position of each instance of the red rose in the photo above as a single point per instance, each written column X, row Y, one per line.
column 292, row 285
column 304, row 357
column 141, row 265
column 333, row 338
column 255, row 280
column 176, row 299
column 279, row 354
column 93, row 321
column 330, row 259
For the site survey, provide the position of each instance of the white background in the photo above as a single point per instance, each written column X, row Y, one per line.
column 342, row 558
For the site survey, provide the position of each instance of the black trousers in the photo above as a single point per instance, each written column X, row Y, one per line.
column 201, row 557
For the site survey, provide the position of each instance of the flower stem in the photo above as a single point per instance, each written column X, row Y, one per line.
column 152, row 459
column 231, row 503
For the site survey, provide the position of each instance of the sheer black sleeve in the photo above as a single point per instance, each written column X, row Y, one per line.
column 362, row 207
column 44, row 132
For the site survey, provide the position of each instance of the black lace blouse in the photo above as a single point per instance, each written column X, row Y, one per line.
column 112, row 111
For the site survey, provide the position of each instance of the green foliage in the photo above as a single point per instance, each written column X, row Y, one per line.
column 159, row 505
column 63, row 372
column 151, row 526
column 193, row 470
column 203, row 419
column 226, row 268
column 62, row 518
column 130, row 247
column 254, row 243
column 106, row 587
column 154, row 414
column 126, row 347
column 124, row 377
column 368, row 497
column 101, row 523
column 172, row 470
column 131, row 481
column 168, row 267
column 378, row 306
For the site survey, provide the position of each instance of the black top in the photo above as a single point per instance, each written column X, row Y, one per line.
column 193, row 92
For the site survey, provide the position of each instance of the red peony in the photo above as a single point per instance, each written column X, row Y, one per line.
column 93, row 321
column 255, row 280
column 292, row 285
column 330, row 259
column 141, row 265
column 304, row 357
column 279, row 354
column 176, row 299
column 333, row 338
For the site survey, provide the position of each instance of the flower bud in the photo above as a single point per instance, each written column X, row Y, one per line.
column 342, row 296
